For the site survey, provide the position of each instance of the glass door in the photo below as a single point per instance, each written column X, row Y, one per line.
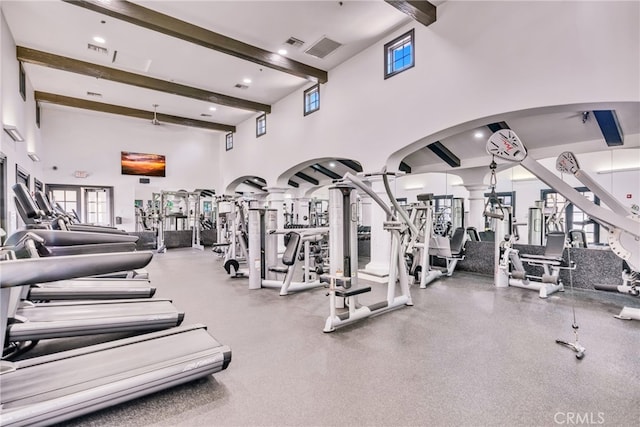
column 66, row 200
column 91, row 205
column 97, row 206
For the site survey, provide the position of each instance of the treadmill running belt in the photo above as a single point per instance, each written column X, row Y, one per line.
column 56, row 387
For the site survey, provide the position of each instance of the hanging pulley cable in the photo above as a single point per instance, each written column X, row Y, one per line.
column 493, row 202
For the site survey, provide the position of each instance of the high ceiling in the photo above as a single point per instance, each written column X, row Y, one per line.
column 66, row 65
column 67, row 30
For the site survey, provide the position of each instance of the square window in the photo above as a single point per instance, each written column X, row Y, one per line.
column 229, row 141
column 261, row 125
column 398, row 54
column 312, row 99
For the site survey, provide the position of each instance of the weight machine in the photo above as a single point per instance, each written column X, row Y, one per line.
column 178, row 210
column 234, row 245
column 430, row 244
column 624, row 229
column 263, row 254
column 343, row 253
column 624, row 244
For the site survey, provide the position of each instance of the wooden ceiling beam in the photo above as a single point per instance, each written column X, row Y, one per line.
column 421, row 10
column 156, row 21
column 253, row 184
column 45, row 59
column 326, row 172
column 351, row 164
column 68, row 101
column 307, row 178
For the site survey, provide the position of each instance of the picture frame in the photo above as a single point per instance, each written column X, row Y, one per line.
column 142, row 164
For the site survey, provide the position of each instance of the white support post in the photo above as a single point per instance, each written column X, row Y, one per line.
column 476, row 205
column 380, row 238
column 275, row 200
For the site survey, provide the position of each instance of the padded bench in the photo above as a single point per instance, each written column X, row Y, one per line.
column 290, row 253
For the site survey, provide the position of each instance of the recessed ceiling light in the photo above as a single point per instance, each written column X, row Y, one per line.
column 246, row 81
column 212, row 108
column 333, row 165
column 99, row 39
column 282, row 51
column 478, row 134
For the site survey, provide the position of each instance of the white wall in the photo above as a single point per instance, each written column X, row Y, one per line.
column 20, row 113
column 79, row 140
column 478, row 60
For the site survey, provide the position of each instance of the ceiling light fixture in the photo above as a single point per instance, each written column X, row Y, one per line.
column 212, row 108
column 478, row 134
column 282, row 51
column 246, row 80
column 99, row 39
column 33, row 156
column 13, row 132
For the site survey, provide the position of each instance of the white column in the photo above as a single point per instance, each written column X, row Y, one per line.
column 275, row 200
column 365, row 210
column 301, row 210
column 380, row 238
column 476, row 205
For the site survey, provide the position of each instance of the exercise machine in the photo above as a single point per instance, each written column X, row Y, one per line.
column 65, row 222
column 236, row 245
column 33, row 244
column 622, row 243
column 31, row 322
column 264, row 267
column 52, row 388
column 428, row 244
column 343, row 283
column 551, row 262
column 624, row 230
column 180, row 211
column 41, row 215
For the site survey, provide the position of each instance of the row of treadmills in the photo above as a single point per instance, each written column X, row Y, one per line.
column 61, row 280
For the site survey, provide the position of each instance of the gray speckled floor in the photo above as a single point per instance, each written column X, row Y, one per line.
column 466, row 354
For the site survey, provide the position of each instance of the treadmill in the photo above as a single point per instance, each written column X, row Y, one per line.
column 43, row 204
column 53, row 388
column 34, row 218
column 89, row 288
column 31, row 322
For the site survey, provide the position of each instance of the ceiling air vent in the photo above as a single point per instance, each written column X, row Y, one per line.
column 98, row 49
column 205, row 115
column 95, row 94
column 323, row 47
column 241, row 86
column 292, row 41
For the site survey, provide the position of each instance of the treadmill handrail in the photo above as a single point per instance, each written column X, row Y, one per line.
column 69, row 238
column 39, row 270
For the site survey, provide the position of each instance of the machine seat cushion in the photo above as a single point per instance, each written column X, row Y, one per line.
column 352, row 292
column 457, row 242
column 291, row 250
